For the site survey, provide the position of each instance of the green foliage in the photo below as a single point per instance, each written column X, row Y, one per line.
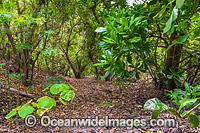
column 123, row 37
column 23, row 46
column 107, row 104
column 172, row 75
column 189, row 93
column 44, row 103
column 55, row 81
column 185, row 98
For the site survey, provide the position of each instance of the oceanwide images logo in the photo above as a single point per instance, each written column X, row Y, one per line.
column 45, row 121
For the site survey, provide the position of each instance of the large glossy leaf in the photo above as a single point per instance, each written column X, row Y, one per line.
column 186, row 102
column 155, row 104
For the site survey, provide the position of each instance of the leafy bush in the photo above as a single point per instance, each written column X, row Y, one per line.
column 44, row 103
column 185, row 98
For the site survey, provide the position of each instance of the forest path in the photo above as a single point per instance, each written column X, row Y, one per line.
column 93, row 98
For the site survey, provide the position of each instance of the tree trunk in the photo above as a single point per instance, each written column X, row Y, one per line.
column 173, row 58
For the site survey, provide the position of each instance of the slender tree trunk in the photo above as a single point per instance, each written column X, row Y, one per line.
column 173, row 58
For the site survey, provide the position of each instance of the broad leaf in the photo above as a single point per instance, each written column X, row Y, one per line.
column 46, row 102
column 67, row 95
column 186, row 102
column 56, row 88
column 24, row 111
column 155, row 104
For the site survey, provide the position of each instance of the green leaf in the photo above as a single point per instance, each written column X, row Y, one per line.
column 67, row 95
column 124, row 21
column 49, row 79
column 132, row 20
column 107, row 73
column 2, row 64
column 12, row 113
column 46, row 85
column 24, row 46
column 65, row 86
column 186, row 102
column 196, row 88
column 194, row 121
column 168, row 24
column 24, row 111
column 59, row 79
column 155, row 114
column 179, row 3
column 169, row 76
column 46, row 102
column 174, row 112
column 130, row 46
column 102, row 44
column 163, row 10
column 135, row 39
column 63, row 102
column 48, row 51
column 187, row 87
column 100, row 64
column 56, row 88
column 174, row 13
column 107, row 104
column 155, row 104
column 181, row 39
column 34, row 104
column 100, row 29
column 48, row 31
column 173, row 17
